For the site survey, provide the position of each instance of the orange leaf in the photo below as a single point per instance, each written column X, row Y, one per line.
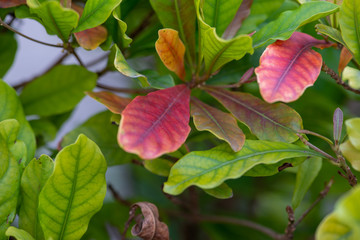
column 171, row 51
column 113, row 102
column 345, row 58
column 11, row 3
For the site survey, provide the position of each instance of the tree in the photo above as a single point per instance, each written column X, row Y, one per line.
column 235, row 131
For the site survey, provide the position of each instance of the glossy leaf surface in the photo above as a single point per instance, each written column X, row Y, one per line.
column 33, row 179
column 275, row 122
column 343, row 222
column 350, row 26
column 305, row 176
column 123, row 67
column 352, row 76
column 221, row 192
column 179, row 15
column 331, row 32
column 159, row 166
column 158, row 81
column 171, row 51
column 8, row 47
column 113, row 102
column 209, row 169
column 353, row 131
column 283, row 27
column 217, row 51
column 157, row 123
column 57, row 20
column 220, row 13
column 11, row 3
column 95, row 13
column 18, row 234
column 57, row 91
column 351, row 154
column 223, row 125
column 288, row 67
column 9, row 175
column 101, row 130
column 11, row 109
column 74, row 192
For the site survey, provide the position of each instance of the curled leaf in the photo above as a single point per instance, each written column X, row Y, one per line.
column 171, row 50
column 345, row 58
column 113, row 102
column 149, row 227
column 288, row 67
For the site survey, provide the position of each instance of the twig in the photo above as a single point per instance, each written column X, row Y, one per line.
column 316, row 135
column 118, row 197
column 2, row 23
column 337, row 78
column 124, row 90
column 96, row 61
column 290, row 229
column 77, row 57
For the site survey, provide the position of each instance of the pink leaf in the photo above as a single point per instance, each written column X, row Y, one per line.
column 113, row 102
column 157, row 123
column 288, row 67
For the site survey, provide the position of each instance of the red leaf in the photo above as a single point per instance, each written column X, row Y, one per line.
column 157, row 123
column 345, row 58
column 113, row 102
column 288, row 67
column 11, row 3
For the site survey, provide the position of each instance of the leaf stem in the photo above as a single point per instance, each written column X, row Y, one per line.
column 2, row 23
column 124, row 90
column 317, row 135
column 117, row 196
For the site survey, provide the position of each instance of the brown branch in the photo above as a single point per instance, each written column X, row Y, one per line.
column 4, row 24
column 118, row 197
column 337, row 78
column 76, row 56
column 124, row 90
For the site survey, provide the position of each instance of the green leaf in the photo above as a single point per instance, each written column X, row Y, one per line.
column 100, row 129
column 217, row 51
column 9, row 175
column 344, row 221
column 57, row 91
column 351, row 154
column 33, row 180
column 44, row 129
column 305, row 176
column 95, row 13
column 8, row 47
column 180, row 16
column 209, row 169
column 122, row 27
column 330, row 32
column 18, row 234
column 159, row 166
column 220, row 13
column 11, row 109
column 350, row 26
column 353, row 130
column 283, row 27
column 123, row 67
column 159, row 81
column 56, row 19
column 74, row 192
column 352, row 75
column 221, row 192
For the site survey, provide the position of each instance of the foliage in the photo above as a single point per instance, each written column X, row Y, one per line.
column 229, row 97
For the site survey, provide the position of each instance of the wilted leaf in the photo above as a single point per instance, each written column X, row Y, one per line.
column 350, row 26
column 56, row 19
column 288, row 67
column 171, row 51
column 338, row 122
column 8, row 47
column 159, row 166
column 122, row 27
column 100, row 129
column 179, row 15
column 122, row 66
column 242, row 13
column 345, row 58
column 221, row 192
column 18, row 234
column 353, row 131
column 217, row 51
column 352, row 75
column 331, row 32
column 33, row 179
column 223, row 125
column 74, row 192
column 351, row 154
column 57, row 91
column 275, row 122
column 283, row 27
column 113, row 102
column 157, row 123
column 209, row 169
column 149, row 227
column 11, row 3
column 11, row 108
column 95, row 13
column 305, row 176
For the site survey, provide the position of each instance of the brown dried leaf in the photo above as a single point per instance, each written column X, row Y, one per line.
column 345, row 58
column 148, row 227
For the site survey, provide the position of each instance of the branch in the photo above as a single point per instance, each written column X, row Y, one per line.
column 337, row 78
column 124, row 90
column 118, row 197
column 2, row 23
